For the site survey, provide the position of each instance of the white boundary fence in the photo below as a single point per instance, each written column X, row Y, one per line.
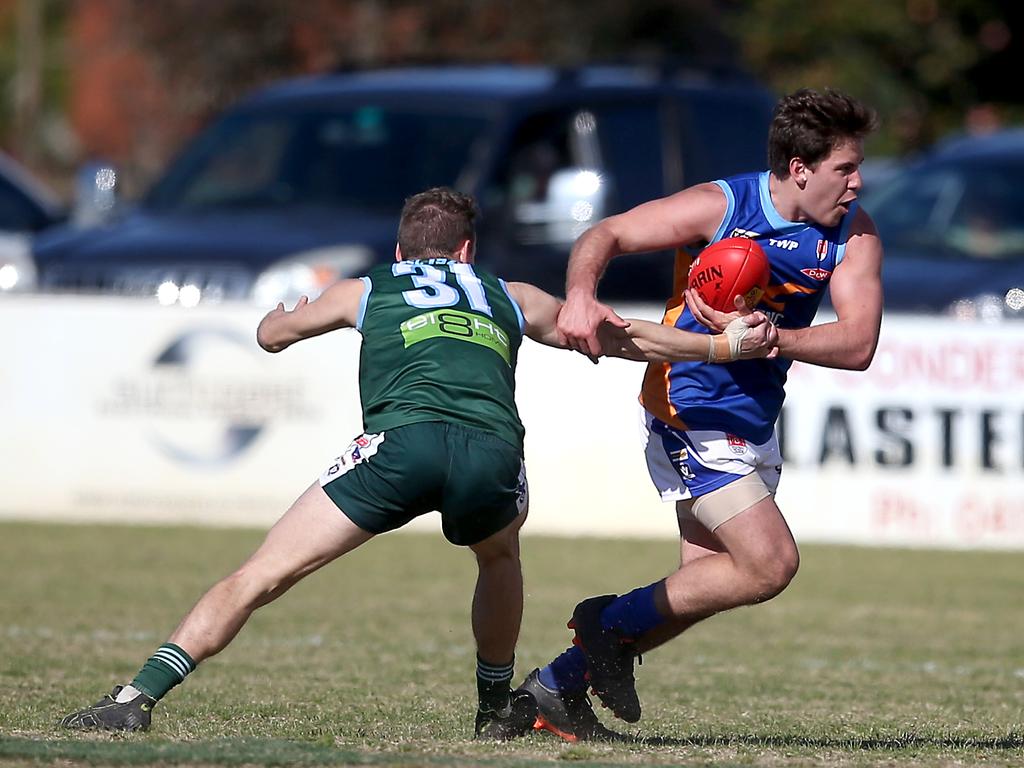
column 125, row 411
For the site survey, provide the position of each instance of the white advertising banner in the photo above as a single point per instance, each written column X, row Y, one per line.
column 925, row 447
column 120, row 410
column 123, row 410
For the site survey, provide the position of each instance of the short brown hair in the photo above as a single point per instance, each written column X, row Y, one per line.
column 809, row 124
column 436, row 223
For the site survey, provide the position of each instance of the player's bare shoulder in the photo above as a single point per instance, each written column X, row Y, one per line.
column 684, row 218
column 856, row 284
column 702, row 207
column 526, row 295
column 863, row 242
column 862, row 224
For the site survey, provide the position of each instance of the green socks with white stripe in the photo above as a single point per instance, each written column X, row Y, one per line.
column 167, row 667
column 493, row 685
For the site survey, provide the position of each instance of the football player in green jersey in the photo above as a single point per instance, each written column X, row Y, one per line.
column 440, row 340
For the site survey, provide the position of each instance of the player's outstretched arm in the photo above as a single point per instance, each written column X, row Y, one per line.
column 337, row 307
column 744, row 338
column 540, row 312
column 680, row 219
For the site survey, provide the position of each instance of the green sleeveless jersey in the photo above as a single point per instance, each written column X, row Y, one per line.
column 440, row 343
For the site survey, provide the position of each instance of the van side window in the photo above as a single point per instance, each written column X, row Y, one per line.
column 631, row 144
column 540, row 147
column 568, row 169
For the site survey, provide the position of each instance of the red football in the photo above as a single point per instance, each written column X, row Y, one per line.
column 734, row 266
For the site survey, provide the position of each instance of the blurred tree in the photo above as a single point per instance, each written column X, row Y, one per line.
column 32, row 120
column 921, row 63
column 144, row 76
column 178, row 62
column 675, row 32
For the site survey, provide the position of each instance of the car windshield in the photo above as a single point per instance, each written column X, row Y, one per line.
column 366, row 157
column 953, row 210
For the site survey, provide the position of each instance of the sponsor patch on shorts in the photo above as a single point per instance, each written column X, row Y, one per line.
column 679, row 460
column 522, row 490
column 358, row 451
column 689, row 464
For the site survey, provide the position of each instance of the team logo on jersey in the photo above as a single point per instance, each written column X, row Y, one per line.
column 736, row 444
column 737, row 232
column 679, row 460
column 460, row 326
column 816, row 274
column 786, row 245
column 822, row 249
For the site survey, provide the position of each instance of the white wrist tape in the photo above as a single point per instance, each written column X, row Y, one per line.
column 736, row 332
column 726, row 346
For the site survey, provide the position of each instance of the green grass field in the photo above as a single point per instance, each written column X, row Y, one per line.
column 871, row 657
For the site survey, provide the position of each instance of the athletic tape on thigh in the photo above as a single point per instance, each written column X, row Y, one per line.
column 714, row 508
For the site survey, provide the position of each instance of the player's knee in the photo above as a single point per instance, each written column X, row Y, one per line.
column 771, row 575
column 498, row 549
column 505, row 553
column 253, row 586
column 501, row 546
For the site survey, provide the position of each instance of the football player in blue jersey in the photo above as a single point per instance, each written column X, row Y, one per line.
column 440, row 342
column 711, row 447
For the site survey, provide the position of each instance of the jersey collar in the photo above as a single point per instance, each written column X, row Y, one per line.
column 775, row 219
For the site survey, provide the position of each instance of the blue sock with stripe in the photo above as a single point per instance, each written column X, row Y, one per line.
column 566, row 673
column 631, row 615
column 167, row 667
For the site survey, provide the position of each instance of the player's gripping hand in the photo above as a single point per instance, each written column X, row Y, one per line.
column 712, row 318
column 751, row 336
column 578, row 321
column 739, row 335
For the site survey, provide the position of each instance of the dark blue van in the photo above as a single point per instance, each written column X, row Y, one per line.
column 302, row 182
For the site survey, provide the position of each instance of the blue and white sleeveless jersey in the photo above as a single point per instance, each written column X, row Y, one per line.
column 744, row 398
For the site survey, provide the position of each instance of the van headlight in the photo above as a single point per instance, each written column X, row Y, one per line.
column 17, row 268
column 309, row 273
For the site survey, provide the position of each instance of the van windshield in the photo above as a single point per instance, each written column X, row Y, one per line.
column 365, row 158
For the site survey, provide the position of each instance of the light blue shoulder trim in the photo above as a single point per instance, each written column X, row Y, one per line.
column 729, row 210
column 774, row 218
column 515, row 306
column 844, row 233
column 367, row 287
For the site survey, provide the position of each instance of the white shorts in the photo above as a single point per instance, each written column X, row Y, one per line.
column 689, row 464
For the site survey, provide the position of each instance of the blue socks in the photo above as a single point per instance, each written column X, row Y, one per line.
column 634, row 614
column 566, row 673
column 629, row 616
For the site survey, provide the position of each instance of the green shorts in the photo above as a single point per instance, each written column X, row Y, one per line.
column 476, row 480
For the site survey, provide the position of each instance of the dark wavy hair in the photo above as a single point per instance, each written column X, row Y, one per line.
column 809, row 124
column 435, row 223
